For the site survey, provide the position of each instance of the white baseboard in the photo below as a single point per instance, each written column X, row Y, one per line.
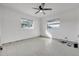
column 19, row 40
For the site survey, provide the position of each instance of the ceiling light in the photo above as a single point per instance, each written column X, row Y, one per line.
column 40, row 10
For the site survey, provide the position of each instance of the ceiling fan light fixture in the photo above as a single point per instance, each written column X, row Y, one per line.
column 41, row 11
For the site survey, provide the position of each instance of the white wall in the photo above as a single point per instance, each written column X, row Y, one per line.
column 11, row 26
column 68, row 26
column 0, row 23
column 77, row 25
column 1, row 18
column 11, row 29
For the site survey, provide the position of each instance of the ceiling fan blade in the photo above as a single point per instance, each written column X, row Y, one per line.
column 36, row 8
column 42, row 5
column 37, row 11
column 47, row 9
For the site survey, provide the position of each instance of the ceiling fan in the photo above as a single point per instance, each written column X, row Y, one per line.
column 42, row 9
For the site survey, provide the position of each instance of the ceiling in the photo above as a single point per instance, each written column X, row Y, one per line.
column 27, row 8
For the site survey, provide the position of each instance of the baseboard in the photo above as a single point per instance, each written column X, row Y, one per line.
column 44, row 36
column 19, row 40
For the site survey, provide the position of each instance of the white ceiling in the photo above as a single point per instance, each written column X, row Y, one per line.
column 27, row 8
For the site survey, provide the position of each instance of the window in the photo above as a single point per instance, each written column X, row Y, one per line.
column 26, row 23
column 53, row 24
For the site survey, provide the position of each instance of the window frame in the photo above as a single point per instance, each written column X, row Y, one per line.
column 25, row 25
column 53, row 23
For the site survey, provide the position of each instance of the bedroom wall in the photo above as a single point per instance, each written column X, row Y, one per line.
column 1, row 18
column 11, row 29
column 0, row 23
column 11, row 26
column 78, row 25
column 68, row 26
